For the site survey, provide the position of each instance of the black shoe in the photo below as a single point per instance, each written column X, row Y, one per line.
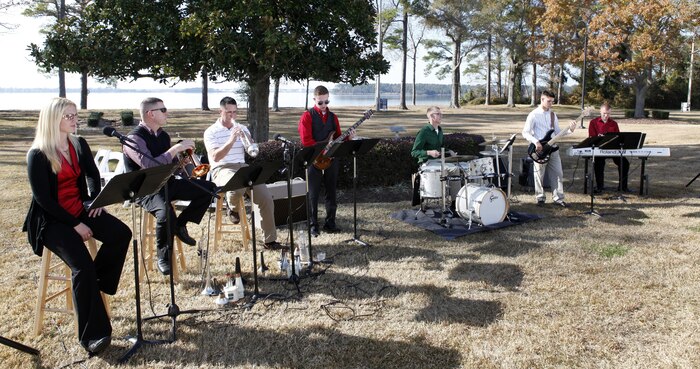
column 164, row 265
column 233, row 217
column 331, row 228
column 314, row 231
column 597, row 191
column 540, row 203
column 97, row 346
column 182, row 234
column 561, row 203
column 274, row 245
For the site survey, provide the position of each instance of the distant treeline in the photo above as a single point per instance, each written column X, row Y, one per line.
column 395, row 88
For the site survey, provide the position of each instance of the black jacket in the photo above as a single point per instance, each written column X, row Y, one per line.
column 44, row 207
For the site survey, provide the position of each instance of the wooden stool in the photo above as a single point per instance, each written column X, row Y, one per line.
column 58, row 272
column 241, row 228
column 148, row 245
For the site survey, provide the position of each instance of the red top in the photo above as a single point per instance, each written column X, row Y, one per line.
column 68, row 192
column 307, row 138
column 597, row 127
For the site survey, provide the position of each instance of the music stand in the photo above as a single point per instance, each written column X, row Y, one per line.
column 130, row 186
column 354, row 148
column 625, row 141
column 247, row 177
column 305, row 157
column 592, row 142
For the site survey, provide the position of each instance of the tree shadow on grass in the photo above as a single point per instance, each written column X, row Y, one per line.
column 223, row 343
column 444, row 308
column 507, row 249
column 495, row 274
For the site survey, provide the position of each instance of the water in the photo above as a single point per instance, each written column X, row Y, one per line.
column 192, row 100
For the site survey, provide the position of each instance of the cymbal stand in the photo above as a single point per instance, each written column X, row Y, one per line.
column 498, row 165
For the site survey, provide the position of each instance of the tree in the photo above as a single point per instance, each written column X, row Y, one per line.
column 414, row 32
column 67, row 47
column 455, row 17
column 4, row 7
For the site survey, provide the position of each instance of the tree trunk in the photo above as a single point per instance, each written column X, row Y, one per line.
column 404, row 63
column 499, row 74
column 415, row 55
column 258, row 114
column 641, row 86
column 205, row 89
column 456, row 52
column 488, row 72
column 511, row 83
column 533, row 97
column 276, row 96
column 61, row 71
column 83, row 88
column 560, row 82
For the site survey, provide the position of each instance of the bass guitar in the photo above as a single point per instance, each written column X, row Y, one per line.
column 322, row 161
column 549, row 143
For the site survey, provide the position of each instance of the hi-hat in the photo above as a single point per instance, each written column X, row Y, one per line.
column 458, row 158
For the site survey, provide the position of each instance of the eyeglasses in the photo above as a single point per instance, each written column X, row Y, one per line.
column 321, row 103
column 162, row 110
column 70, row 116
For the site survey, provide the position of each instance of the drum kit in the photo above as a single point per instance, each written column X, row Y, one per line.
column 472, row 185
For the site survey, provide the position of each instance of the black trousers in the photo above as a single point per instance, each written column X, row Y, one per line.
column 599, row 169
column 91, row 276
column 159, row 206
column 328, row 178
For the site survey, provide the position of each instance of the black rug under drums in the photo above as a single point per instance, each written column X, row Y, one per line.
column 457, row 227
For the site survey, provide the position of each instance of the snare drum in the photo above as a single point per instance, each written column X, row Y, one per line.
column 485, row 205
column 430, row 186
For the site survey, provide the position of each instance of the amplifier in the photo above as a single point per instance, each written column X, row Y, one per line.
column 279, row 196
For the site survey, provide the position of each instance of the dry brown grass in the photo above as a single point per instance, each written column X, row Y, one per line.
column 566, row 291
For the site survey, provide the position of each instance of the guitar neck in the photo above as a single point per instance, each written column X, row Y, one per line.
column 347, row 132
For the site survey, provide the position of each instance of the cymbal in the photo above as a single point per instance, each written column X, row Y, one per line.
column 458, row 158
column 494, row 142
column 487, row 153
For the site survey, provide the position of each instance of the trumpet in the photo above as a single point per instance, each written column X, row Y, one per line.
column 250, row 147
column 192, row 165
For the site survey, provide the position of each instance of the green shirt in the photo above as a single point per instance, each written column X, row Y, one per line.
column 426, row 140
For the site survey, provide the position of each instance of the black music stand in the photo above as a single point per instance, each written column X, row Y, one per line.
column 305, row 157
column 625, row 141
column 247, row 177
column 354, row 148
column 593, row 143
column 130, row 186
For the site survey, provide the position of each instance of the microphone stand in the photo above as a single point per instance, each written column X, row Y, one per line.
column 173, row 310
column 289, row 153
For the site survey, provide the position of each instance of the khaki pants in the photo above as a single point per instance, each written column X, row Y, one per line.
column 261, row 197
column 556, row 176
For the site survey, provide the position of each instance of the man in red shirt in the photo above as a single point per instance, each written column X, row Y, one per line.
column 319, row 124
column 598, row 127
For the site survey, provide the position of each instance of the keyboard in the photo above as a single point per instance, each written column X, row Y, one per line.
column 639, row 153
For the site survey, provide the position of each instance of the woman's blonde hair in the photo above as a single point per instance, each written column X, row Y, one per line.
column 48, row 132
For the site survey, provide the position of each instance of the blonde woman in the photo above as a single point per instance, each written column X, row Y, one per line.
column 63, row 176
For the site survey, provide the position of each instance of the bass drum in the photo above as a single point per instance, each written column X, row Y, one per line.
column 484, row 205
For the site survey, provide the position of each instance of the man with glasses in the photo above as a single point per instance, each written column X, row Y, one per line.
column 150, row 138
column 319, row 124
column 224, row 143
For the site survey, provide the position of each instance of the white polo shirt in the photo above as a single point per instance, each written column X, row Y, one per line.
column 216, row 136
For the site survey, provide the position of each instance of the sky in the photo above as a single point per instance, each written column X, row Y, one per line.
column 19, row 71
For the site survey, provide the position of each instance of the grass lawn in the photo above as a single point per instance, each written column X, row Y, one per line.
column 570, row 290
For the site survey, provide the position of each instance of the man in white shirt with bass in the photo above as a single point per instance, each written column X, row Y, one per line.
column 224, row 144
column 538, row 122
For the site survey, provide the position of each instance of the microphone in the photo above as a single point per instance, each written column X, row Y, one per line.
column 111, row 132
column 279, row 137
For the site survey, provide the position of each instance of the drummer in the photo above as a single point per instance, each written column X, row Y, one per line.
column 429, row 140
column 427, row 146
